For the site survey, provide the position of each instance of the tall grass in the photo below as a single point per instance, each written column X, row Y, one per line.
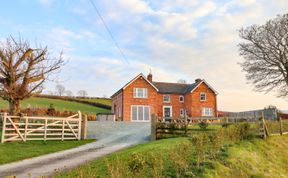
column 182, row 159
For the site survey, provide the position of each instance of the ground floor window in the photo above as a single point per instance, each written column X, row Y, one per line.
column 207, row 112
column 140, row 113
column 181, row 112
column 167, row 111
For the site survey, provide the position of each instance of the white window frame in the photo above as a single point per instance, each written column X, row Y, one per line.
column 136, row 93
column 207, row 112
column 181, row 96
column 202, row 93
column 171, row 111
column 166, row 101
column 144, row 106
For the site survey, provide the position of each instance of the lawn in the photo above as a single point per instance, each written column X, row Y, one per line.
column 14, row 151
column 60, row 105
column 248, row 158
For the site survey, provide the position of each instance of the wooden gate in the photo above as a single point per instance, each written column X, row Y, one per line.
column 16, row 128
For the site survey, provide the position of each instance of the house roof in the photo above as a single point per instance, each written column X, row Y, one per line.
column 169, row 88
column 177, row 88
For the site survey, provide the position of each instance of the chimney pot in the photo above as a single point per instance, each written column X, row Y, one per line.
column 198, row 80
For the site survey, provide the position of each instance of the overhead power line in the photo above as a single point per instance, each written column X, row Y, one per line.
column 109, row 31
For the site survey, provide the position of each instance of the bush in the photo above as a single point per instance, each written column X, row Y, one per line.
column 200, row 143
column 225, row 125
column 117, row 168
column 203, row 125
column 179, row 158
column 244, row 129
column 137, row 164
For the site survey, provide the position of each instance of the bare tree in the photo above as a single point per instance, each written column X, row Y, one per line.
column 265, row 52
column 82, row 93
column 23, row 71
column 68, row 93
column 59, row 90
column 182, row 81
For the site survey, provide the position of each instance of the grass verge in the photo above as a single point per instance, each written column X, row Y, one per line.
column 15, row 151
column 175, row 157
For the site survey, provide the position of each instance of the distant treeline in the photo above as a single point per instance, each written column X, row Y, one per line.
column 77, row 99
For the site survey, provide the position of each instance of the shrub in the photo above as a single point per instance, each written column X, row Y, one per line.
column 225, row 125
column 203, row 125
column 117, row 168
column 215, row 143
column 156, row 164
column 180, row 157
column 200, row 142
column 51, row 110
column 137, row 164
column 244, row 129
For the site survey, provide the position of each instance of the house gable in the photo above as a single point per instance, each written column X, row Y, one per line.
column 138, row 76
column 132, row 81
column 204, row 82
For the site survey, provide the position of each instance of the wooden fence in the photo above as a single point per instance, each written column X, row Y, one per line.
column 16, row 128
column 165, row 127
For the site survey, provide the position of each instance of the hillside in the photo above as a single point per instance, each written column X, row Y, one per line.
column 60, row 105
column 249, row 158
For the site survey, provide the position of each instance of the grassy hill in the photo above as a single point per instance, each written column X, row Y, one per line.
column 167, row 158
column 60, row 105
column 105, row 101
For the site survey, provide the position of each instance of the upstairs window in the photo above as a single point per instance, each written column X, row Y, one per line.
column 140, row 93
column 202, row 96
column 181, row 98
column 166, row 98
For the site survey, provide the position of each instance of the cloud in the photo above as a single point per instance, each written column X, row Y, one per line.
column 175, row 38
column 47, row 2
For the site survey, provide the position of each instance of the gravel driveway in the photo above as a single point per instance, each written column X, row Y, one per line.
column 111, row 137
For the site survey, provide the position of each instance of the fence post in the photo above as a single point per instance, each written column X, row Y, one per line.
column 26, row 127
column 266, row 133
column 3, row 128
column 45, row 130
column 153, row 127
column 281, row 126
column 84, row 128
column 63, row 129
column 79, row 125
column 186, row 124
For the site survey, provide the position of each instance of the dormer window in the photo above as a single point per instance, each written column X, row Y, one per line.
column 140, row 93
column 202, row 96
column 181, row 98
column 166, row 98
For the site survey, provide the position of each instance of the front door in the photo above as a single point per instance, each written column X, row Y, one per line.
column 167, row 111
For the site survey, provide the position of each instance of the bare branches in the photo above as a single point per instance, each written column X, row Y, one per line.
column 265, row 52
column 23, row 70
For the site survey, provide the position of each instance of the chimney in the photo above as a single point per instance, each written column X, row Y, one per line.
column 149, row 77
column 198, row 80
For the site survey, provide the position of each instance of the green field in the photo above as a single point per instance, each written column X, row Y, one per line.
column 164, row 158
column 97, row 100
column 60, row 105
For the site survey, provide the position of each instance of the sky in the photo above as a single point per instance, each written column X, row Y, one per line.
column 175, row 39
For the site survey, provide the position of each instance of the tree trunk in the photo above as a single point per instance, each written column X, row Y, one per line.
column 14, row 107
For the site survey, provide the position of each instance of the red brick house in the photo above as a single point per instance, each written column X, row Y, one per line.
column 142, row 96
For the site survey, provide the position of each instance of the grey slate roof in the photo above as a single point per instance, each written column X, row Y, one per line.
column 177, row 88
